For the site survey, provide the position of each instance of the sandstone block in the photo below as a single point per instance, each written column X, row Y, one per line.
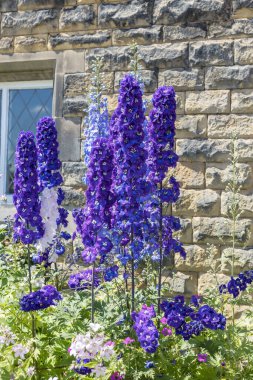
column 81, row 17
column 175, row 11
column 244, row 150
column 229, row 77
column 164, row 56
column 185, row 235
column 27, row 5
column 117, row 57
column 8, row 5
column 112, row 102
column 149, row 79
column 79, row 40
column 133, row 13
column 243, row 260
column 197, row 202
column 178, row 33
column 30, row 43
column 69, row 129
column 225, row 126
column 232, row 28
column 244, row 51
column 210, row 53
column 19, row 23
column 218, row 175
column 197, row 258
column 242, row 8
column 207, row 102
column 73, row 172
column 203, row 150
column 242, row 101
column 73, row 197
column 181, row 282
column 213, row 230
column 142, row 36
column 207, row 282
column 79, row 84
column 190, row 175
column 180, row 100
column 245, row 202
column 74, row 106
column 180, row 79
column 189, row 126
column 6, row 45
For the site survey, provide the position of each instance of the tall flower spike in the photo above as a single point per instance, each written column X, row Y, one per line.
column 97, row 120
column 50, row 178
column 28, row 225
column 99, row 200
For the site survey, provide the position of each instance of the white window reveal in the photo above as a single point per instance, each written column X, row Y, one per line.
column 22, row 104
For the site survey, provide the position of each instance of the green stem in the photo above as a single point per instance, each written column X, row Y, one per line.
column 133, row 279
column 160, row 254
column 93, row 293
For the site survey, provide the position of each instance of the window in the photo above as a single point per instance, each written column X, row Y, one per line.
column 22, row 104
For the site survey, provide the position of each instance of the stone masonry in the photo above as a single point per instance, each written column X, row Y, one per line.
column 204, row 48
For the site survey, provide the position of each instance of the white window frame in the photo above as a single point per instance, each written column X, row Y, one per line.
column 5, row 87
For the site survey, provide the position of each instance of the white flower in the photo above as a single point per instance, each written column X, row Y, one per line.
column 95, row 327
column 20, row 351
column 7, row 337
column 107, row 352
column 53, row 378
column 30, row 371
column 99, row 371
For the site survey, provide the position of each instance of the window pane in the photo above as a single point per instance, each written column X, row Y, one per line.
column 26, row 107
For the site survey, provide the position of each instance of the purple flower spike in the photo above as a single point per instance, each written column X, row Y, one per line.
column 47, row 146
column 41, row 299
column 28, row 225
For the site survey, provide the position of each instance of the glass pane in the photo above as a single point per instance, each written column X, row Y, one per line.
column 26, row 107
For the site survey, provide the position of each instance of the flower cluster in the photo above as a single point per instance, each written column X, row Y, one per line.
column 236, row 285
column 28, row 225
column 41, row 299
column 7, row 337
column 97, row 120
column 47, row 148
column 99, row 200
column 111, row 272
column 161, row 130
column 177, row 312
column 83, row 280
column 129, row 175
column 93, row 346
column 145, row 328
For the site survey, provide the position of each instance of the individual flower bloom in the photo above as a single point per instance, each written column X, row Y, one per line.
column 166, row 332
column 149, row 364
column 53, row 378
column 30, row 371
column 111, row 273
column 80, row 367
column 222, row 288
column 128, row 340
column 196, row 300
column 41, row 299
column 202, row 358
column 107, row 351
column 99, row 371
column 163, row 320
column 83, row 280
column 116, row 376
column 65, row 235
column 175, row 319
column 95, row 327
column 59, row 249
column 233, row 287
column 20, row 351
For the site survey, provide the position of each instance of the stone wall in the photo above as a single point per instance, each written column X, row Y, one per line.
column 202, row 47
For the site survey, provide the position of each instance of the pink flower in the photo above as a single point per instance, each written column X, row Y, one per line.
column 128, row 340
column 110, row 343
column 166, row 332
column 202, row 358
column 164, row 320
